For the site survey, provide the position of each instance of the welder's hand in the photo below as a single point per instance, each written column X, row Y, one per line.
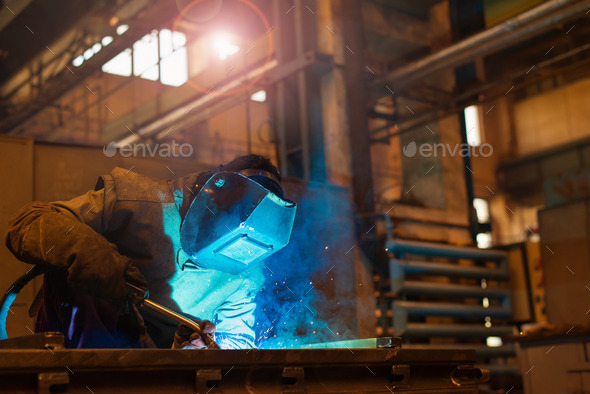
column 102, row 272
column 123, row 302
column 186, row 338
column 134, row 277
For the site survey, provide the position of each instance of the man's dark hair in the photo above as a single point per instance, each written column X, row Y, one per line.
column 250, row 161
column 241, row 163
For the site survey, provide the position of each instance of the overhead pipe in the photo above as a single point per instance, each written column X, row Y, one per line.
column 501, row 36
column 179, row 113
column 451, row 106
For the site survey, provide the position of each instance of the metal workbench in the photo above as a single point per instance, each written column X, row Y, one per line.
column 345, row 370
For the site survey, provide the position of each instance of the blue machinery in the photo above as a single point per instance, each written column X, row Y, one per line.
column 412, row 263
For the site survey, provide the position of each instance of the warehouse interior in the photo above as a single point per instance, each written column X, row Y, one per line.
column 438, row 152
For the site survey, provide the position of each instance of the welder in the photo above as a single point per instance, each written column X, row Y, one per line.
column 198, row 243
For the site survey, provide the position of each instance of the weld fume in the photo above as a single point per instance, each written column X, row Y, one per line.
column 299, row 303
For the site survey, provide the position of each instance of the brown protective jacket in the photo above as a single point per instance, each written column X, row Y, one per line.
column 127, row 228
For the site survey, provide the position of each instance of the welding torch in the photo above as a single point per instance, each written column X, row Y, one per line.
column 193, row 324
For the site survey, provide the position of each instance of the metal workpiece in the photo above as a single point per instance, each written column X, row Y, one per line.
column 235, row 371
column 40, row 340
column 366, row 343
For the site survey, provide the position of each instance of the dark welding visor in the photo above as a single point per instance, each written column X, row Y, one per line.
column 235, row 222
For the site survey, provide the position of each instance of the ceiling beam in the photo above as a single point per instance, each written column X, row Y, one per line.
column 155, row 16
column 389, row 23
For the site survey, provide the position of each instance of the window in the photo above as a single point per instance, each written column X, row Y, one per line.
column 145, row 57
column 259, row 96
column 106, row 40
column 160, row 55
column 494, row 341
column 173, row 63
column 122, row 29
column 484, row 240
column 119, row 65
column 482, row 210
column 472, row 125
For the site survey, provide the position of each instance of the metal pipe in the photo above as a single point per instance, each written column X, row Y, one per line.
column 443, row 250
column 451, row 106
column 427, row 330
column 448, row 309
column 510, row 32
column 482, row 351
column 445, row 290
column 205, row 99
column 447, row 270
column 302, row 92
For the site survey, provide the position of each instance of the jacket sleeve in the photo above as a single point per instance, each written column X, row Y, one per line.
column 67, row 234
column 235, row 319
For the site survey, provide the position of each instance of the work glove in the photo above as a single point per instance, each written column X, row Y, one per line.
column 39, row 235
column 104, row 275
column 186, row 338
column 128, row 301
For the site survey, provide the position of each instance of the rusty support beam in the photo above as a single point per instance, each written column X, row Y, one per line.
column 356, row 97
column 398, row 25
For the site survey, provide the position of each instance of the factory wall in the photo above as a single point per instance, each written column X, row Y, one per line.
column 553, row 118
column 224, row 136
column 16, row 156
column 520, row 131
column 215, row 140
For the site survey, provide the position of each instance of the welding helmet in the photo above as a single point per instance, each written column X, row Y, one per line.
column 236, row 220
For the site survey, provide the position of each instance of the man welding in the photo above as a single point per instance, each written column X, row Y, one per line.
column 197, row 243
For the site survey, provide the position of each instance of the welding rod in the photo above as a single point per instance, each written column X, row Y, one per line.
column 194, row 325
